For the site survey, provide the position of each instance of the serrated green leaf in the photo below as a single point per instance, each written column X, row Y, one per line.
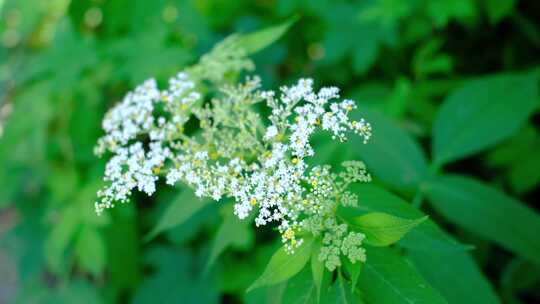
column 382, row 229
column 488, row 213
column 391, row 155
column 390, row 278
column 477, row 115
column 184, row 206
column 256, row 41
column 283, row 265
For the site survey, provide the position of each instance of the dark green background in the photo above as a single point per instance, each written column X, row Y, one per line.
column 63, row 63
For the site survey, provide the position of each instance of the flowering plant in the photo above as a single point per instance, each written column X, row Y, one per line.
column 251, row 145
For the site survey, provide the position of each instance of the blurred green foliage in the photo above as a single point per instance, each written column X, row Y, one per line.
column 451, row 88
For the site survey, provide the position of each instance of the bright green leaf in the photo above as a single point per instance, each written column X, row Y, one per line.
column 283, row 265
column 184, row 206
column 382, row 229
column 390, row 278
column 482, row 113
column 256, row 41
column 487, row 212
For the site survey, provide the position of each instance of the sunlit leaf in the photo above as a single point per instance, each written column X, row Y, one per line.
column 382, row 229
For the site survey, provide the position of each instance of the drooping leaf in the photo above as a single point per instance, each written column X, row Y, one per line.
column 482, row 113
column 391, row 155
column 283, row 265
column 382, row 229
column 488, row 213
column 390, row 278
column 256, row 41
column 184, row 206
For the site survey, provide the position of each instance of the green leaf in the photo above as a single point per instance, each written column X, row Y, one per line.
column 60, row 237
column 382, row 229
column 90, row 250
column 427, row 236
column 487, row 212
column 341, row 293
column 482, row 113
column 256, row 41
column 441, row 268
column 498, row 9
column 390, row 278
column 232, row 232
column 301, row 289
column 183, row 207
column 318, row 270
column 354, row 270
column 518, row 157
column 283, row 265
column 391, row 155
column 517, row 277
column 123, row 249
column 173, row 280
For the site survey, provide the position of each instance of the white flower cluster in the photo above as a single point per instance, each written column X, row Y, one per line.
column 233, row 154
column 131, row 166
